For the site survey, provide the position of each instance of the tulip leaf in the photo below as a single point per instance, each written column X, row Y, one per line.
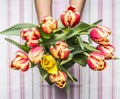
column 81, row 59
column 82, row 27
column 77, row 51
column 15, row 29
column 97, row 22
column 56, row 37
column 77, row 29
column 67, row 88
column 89, row 39
column 68, row 64
column 23, row 47
column 80, row 42
column 67, row 60
column 44, row 74
column 84, row 33
column 69, row 75
column 90, row 47
column 32, row 65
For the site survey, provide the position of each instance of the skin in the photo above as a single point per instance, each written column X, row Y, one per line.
column 44, row 7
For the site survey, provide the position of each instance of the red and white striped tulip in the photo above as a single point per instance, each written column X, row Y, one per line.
column 31, row 36
column 70, row 17
column 99, row 35
column 21, row 61
column 48, row 24
column 107, row 51
column 60, row 50
column 96, row 61
column 35, row 54
column 59, row 79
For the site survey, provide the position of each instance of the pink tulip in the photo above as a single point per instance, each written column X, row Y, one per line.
column 96, row 61
column 35, row 54
column 48, row 24
column 60, row 50
column 99, row 35
column 106, row 50
column 59, row 79
column 70, row 17
column 21, row 61
column 31, row 36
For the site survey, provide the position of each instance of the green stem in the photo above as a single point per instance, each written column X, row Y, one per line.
column 86, row 54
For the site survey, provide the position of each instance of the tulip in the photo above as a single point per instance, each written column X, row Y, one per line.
column 96, row 61
column 31, row 36
column 48, row 24
column 99, row 35
column 107, row 51
column 35, row 54
column 21, row 61
column 32, row 43
column 49, row 64
column 59, row 79
column 70, row 17
column 60, row 50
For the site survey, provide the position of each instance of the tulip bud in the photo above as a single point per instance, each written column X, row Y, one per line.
column 70, row 17
column 48, row 24
column 99, row 35
column 32, row 43
column 60, row 50
column 35, row 54
column 31, row 36
column 106, row 50
column 59, row 79
column 21, row 61
column 96, row 61
column 24, row 33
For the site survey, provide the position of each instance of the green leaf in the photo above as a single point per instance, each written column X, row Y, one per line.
column 44, row 74
column 69, row 75
column 80, row 42
column 82, row 27
column 68, row 64
column 89, row 39
column 56, row 37
column 32, row 65
column 66, row 60
column 97, row 22
column 15, row 30
column 78, row 29
column 90, row 47
column 23, row 47
column 84, row 33
column 67, row 89
column 81, row 59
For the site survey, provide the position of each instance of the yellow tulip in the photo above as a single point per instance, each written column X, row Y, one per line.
column 49, row 64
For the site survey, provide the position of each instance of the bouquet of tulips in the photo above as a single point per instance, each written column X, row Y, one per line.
column 55, row 45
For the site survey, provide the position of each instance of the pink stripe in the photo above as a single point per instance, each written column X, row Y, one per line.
column 113, row 44
column 9, row 72
column 21, row 76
